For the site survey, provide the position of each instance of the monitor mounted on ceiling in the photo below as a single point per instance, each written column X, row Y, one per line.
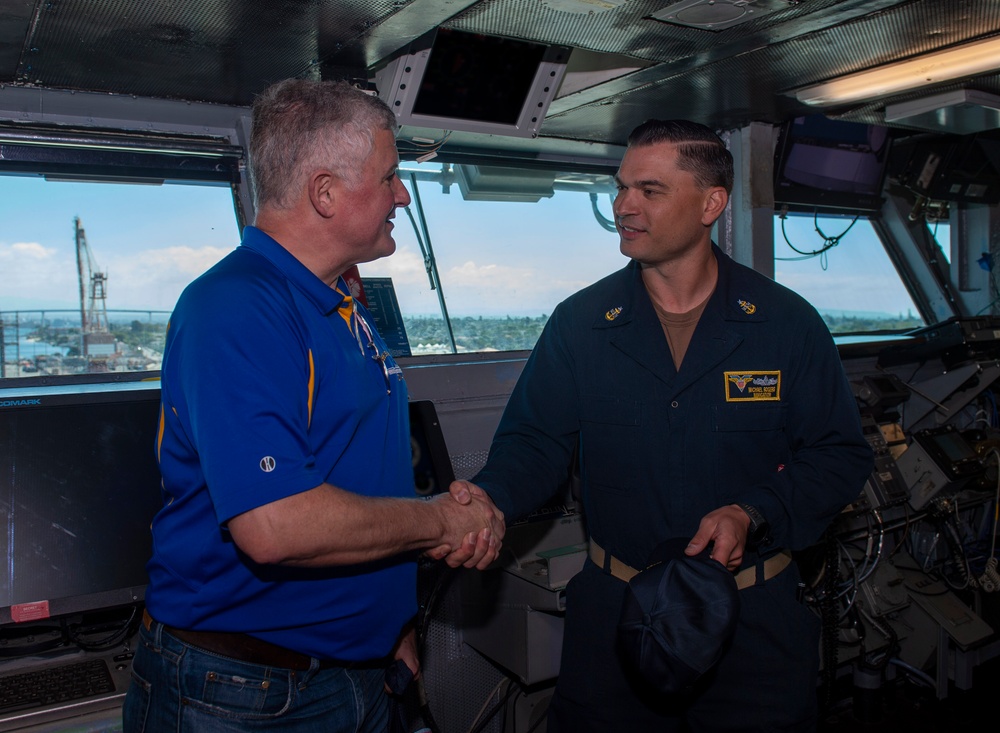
column 830, row 166
column 470, row 82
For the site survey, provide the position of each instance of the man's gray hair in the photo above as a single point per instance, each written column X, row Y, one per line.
column 299, row 126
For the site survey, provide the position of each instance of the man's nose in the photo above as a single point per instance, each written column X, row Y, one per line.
column 622, row 204
column 402, row 195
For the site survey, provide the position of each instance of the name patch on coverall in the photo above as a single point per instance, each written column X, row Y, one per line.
column 753, row 386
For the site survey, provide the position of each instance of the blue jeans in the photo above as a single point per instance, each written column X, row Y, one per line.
column 180, row 688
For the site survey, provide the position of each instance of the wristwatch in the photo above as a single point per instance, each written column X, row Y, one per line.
column 757, row 533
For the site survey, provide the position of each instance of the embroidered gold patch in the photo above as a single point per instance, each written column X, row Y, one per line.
column 752, row 386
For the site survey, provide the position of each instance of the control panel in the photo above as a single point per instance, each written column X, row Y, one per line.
column 885, row 486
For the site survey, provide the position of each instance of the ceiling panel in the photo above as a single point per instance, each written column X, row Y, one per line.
column 225, row 51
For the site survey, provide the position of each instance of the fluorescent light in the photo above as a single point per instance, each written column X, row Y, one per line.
column 964, row 112
column 932, row 68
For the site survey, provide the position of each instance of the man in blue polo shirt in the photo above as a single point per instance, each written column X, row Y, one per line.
column 283, row 576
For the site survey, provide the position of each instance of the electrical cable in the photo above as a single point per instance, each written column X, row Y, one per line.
column 989, row 581
column 428, row 149
column 876, row 557
column 513, row 705
column 486, row 702
column 424, row 707
column 880, row 661
column 918, row 674
column 906, row 531
column 829, row 242
column 830, row 629
column 605, row 222
column 445, row 576
column 511, row 689
column 959, row 558
column 848, row 590
column 120, row 632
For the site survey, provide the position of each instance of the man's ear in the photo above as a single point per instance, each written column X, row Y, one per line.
column 323, row 193
column 716, row 199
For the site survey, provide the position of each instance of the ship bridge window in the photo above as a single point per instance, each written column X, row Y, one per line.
column 95, row 247
column 838, row 264
column 485, row 253
column 941, row 231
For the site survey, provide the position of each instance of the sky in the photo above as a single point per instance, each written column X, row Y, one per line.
column 149, row 240
column 494, row 259
column 855, row 275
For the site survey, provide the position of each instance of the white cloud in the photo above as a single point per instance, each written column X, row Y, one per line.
column 502, row 289
column 153, row 279
column 40, row 277
column 28, row 250
column 405, row 266
column 34, row 275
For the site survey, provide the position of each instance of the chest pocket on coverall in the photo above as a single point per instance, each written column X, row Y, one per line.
column 749, row 440
column 610, row 431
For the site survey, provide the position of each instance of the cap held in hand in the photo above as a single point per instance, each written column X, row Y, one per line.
column 678, row 617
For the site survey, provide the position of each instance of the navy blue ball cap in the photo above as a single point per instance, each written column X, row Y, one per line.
column 678, row 617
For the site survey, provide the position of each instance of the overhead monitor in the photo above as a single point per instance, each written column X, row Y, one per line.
column 79, row 484
column 830, row 166
column 470, row 82
column 959, row 168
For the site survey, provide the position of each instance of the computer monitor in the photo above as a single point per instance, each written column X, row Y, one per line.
column 79, row 484
column 470, row 82
column 959, row 168
column 830, row 166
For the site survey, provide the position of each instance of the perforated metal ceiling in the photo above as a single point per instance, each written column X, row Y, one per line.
column 225, row 51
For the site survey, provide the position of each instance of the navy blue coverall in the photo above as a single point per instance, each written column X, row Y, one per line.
column 760, row 413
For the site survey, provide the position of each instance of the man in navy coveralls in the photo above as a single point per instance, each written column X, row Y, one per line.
column 706, row 402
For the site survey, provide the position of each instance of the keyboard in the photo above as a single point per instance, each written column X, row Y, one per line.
column 55, row 685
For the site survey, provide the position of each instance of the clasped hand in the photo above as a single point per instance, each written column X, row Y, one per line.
column 473, row 527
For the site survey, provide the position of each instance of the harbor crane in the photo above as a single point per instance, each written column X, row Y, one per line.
column 95, row 333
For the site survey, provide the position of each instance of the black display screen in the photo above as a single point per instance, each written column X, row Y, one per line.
column 475, row 77
column 830, row 165
column 954, row 447
column 79, row 484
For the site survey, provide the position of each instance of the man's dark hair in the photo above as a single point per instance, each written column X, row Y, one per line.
column 700, row 151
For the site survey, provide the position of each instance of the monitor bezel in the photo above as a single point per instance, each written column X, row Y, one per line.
column 802, row 198
column 67, row 394
column 399, row 82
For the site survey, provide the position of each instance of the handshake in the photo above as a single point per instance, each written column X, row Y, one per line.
column 472, row 528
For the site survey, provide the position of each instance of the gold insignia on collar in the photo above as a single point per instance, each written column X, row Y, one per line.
column 748, row 307
column 613, row 313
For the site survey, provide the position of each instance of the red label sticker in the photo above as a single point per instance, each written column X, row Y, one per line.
column 29, row 611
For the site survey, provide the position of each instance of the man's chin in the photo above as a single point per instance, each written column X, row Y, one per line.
column 384, row 247
column 629, row 249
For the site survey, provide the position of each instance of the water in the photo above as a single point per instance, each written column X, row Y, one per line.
column 29, row 349
column 25, row 347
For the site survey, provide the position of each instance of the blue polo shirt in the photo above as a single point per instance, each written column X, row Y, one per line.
column 268, row 392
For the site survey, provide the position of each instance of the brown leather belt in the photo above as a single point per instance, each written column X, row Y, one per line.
column 246, row 648
column 744, row 578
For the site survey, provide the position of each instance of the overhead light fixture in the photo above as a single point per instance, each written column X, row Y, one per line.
column 959, row 62
column 964, row 111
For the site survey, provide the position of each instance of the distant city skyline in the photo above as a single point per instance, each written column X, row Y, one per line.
column 493, row 259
